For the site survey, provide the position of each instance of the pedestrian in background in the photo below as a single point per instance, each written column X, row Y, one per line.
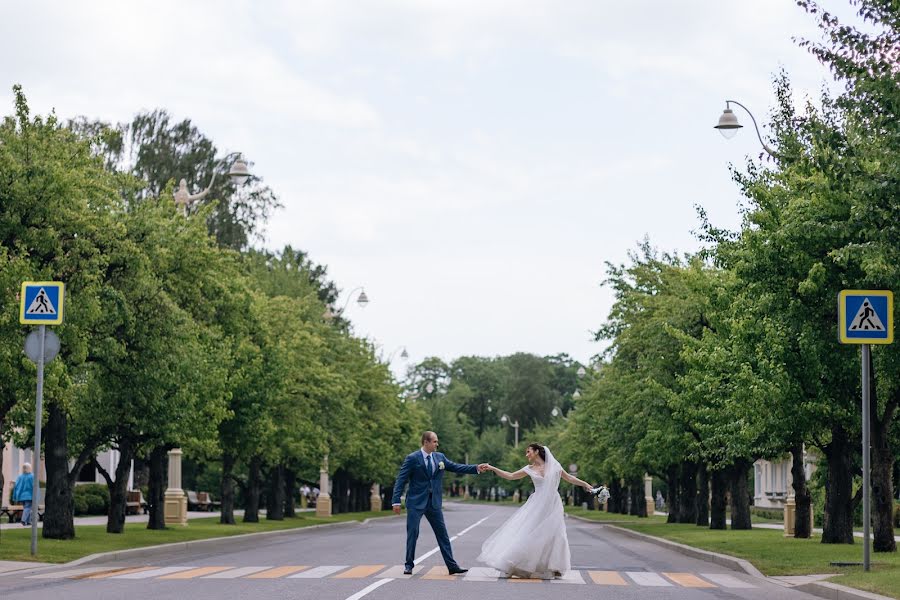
column 23, row 492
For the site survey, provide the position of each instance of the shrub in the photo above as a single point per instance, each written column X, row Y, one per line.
column 95, row 496
column 81, row 505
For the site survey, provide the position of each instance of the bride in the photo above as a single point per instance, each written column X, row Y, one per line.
column 533, row 542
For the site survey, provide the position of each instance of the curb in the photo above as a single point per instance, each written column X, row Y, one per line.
column 822, row 589
column 244, row 539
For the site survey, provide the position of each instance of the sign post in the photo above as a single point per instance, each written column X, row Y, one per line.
column 866, row 317
column 41, row 305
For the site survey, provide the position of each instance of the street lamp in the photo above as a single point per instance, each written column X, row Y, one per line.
column 506, row 419
column 403, row 355
column 728, row 125
column 429, row 388
column 362, row 300
column 581, row 372
column 239, row 173
column 556, row 411
column 576, row 395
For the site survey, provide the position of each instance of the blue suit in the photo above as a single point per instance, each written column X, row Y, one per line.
column 424, row 498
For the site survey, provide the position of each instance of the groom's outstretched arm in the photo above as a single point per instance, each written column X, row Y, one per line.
column 402, row 478
column 458, row 468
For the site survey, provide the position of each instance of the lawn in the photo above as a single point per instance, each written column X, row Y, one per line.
column 774, row 554
column 15, row 544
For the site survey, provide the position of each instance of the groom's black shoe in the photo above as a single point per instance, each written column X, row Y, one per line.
column 407, row 571
column 458, row 571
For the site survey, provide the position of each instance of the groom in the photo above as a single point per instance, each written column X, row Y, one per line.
column 424, row 469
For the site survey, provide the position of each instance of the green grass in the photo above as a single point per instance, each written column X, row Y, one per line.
column 609, row 517
column 773, row 554
column 15, row 544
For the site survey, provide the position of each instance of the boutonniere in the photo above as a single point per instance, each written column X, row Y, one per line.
column 441, row 465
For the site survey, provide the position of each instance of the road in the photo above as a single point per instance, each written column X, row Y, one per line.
column 364, row 561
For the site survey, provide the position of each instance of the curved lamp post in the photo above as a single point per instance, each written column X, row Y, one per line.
column 362, row 300
column 514, row 425
column 728, row 125
column 403, row 355
column 239, row 173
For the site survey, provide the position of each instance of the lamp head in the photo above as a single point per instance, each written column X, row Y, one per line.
column 576, row 395
column 581, row 372
column 363, row 300
column 404, row 355
column 239, row 172
column 555, row 412
column 504, row 419
column 728, row 124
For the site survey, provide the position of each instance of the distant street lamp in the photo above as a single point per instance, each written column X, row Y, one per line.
column 576, row 395
column 514, row 425
column 429, row 387
column 239, row 173
column 403, row 355
column 581, row 372
column 556, row 411
column 362, row 300
column 728, row 125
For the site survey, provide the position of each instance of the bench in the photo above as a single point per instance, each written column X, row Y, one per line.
column 14, row 512
column 205, row 498
column 194, row 502
column 134, row 503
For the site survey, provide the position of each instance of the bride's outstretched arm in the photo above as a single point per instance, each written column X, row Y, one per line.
column 575, row 481
column 506, row 474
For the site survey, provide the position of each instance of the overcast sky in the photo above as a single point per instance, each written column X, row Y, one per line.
column 473, row 164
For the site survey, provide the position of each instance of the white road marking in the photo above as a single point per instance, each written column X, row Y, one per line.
column 396, row 572
column 318, row 572
column 727, row 581
column 368, row 589
column 463, row 532
column 648, row 579
column 572, row 576
column 152, row 573
column 482, row 574
column 236, row 572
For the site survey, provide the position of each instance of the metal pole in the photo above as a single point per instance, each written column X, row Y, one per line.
column 866, row 357
column 36, row 471
column 517, row 434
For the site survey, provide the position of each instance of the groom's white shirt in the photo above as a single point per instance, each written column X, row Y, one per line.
column 425, row 456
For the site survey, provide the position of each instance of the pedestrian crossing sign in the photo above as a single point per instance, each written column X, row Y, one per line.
column 866, row 317
column 41, row 302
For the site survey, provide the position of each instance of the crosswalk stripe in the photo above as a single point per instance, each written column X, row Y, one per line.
column 276, row 572
column 648, row 579
column 147, row 574
column 606, row 578
column 727, row 581
column 482, row 574
column 318, row 572
column 439, row 573
column 238, row 572
column 198, row 572
column 113, row 573
column 570, row 577
column 397, row 572
column 688, row 580
column 359, row 572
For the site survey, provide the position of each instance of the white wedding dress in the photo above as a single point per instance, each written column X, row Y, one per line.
column 533, row 542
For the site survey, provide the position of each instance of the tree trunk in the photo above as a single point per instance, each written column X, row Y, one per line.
column 718, row 483
column 882, row 472
column 740, row 496
column 702, row 495
column 687, row 493
column 275, row 507
column 290, row 493
column 251, row 510
column 838, row 525
column 118, row 488
column 226, row 517
column 59, row 513
column 638, row 502
column 157, row 465
column 672, row 494
column 802, row 496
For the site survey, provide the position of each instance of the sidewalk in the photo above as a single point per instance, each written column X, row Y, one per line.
column 101, row 519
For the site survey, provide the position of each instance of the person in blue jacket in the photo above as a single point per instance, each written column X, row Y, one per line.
column 424, row 470
column 23, row 492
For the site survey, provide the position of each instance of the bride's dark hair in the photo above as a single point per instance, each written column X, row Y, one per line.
column 540, row 450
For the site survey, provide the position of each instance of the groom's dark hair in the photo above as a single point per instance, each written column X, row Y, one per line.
column 427, row 436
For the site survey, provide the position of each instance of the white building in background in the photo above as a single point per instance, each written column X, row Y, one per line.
column 14, row 458
column 772, row 480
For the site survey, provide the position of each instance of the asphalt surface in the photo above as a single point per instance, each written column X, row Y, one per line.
column 364, row 561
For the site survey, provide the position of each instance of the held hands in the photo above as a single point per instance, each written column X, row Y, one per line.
column 484, row 467
column 396, row 509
